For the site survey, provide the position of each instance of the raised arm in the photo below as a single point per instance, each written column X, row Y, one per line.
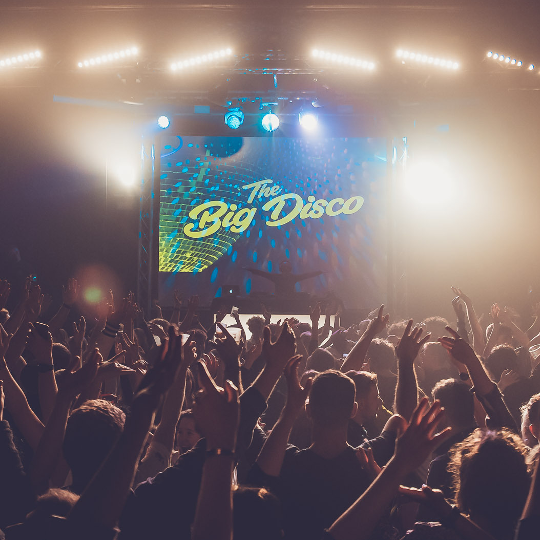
column 357, row 356
column 217, row 413
column 272, row 454
column 70, row 294
column 407, row 388
column 479, row 340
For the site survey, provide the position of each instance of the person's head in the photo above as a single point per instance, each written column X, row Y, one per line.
column 340, row 342
column 256, row 326
column 332, row 400
column 285, row 267
column 491, row 479
column 436, row 326
column 187, row 434
column 458, row 402
column 367, row 394
column 61, row 356
column 382, row 356
column 433, row 356
column 504, row 335
column 256, row 514
column 320, row 360
column 530, row 421
column 91, row 432
column 502, row 357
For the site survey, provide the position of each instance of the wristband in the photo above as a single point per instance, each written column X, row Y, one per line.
column 219, row 452
column 111, row 329
column 45, row 368
column 450, row 520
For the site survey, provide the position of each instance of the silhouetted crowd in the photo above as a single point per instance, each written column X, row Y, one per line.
column 120, row 425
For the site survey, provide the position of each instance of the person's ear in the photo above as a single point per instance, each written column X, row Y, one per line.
column 354, row 410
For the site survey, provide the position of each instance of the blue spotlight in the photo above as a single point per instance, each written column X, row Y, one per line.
column 234, row 118
column 163, row 122
column 270, row 122
column 308, row 121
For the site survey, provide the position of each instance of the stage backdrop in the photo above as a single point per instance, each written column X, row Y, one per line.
column 230, row 203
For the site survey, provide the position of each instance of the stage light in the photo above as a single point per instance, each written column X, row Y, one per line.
column 308, row 121
column 163, row 122
column 341, row 59
column 507, row 59
column 122, row 172
column 429, row 183
column 20, row 59
column 234, row 118
column 501, row 58
column 489, row 54
column 270, row 122
column 513, row 62
column 426, row 59
column 495, row 56
column 103, row 59
column 519, row 64
column 196, row 60
column 531, row 67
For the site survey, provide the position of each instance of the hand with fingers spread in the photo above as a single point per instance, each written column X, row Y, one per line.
column 458, row 347
column 410, row 343
column 296, row 393
column 508, row 378
column 70, row 292
column 72, row 383
column 79, row 331
column 462, row 296
column 379, row 323
column 230, row 353
column 284, row 348
column 217, row 412
column 131, row 349
column 421, row 437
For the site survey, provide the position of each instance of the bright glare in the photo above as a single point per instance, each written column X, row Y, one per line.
column 308, row 121
column 201, row 59
column 124, row 173
column 163, row 122
column 531, row 67
column 424, row 59
column 270, row 122
column 429, row 183
column 93, row 295
column 489, row 54
column 341, row 59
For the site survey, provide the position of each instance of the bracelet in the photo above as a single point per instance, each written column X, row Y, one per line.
column 450, row 520
column 219, row 452
column 111, row 330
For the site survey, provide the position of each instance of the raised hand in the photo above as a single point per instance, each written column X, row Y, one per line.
column 131, row 349
column 508, row 378
column 315, row 314
column 379, row 323
column 458, row 292
column 367, row 461
column 296, row 393
column 79, row 331
column 458, row 347
column 495, row 313
column 217, row 412
column 226, row 346
column 33, row 304
column 410, row 343
column 421, row 437
column 112, row 370
column 284, row 348
column 41, row 345
column 72, row 383
column 5, row 289
column 458, row 308
column 70, row 292
column 221, row 313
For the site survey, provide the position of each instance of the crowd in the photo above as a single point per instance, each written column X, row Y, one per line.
column 122, row 427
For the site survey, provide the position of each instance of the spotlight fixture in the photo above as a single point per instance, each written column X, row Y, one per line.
column 343, row 60
column 421, row 58
column 204, row 59
column 308, row 121
column 531, row 67
column 109, row 57
column 163, row 122
column 270, row 122
column 234, row 118
column 25, row 58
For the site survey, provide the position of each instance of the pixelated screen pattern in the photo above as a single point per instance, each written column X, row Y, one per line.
column 349, row 249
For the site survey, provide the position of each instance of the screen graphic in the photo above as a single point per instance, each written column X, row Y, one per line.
column 229, row 205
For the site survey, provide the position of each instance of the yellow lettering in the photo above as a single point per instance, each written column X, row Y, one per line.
column 241, row 223
column 207, row 218
column 318, row 209
column 256, row 186
column 330, row 208
column 279, row 203
column 347, row 206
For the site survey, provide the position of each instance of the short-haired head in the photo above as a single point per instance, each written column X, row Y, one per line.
column 382, row 355
column 320, row 360
column 332, row 399
column 457, row 400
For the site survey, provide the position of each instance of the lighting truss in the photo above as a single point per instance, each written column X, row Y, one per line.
column 504, row 59
column 199, row 60
column 343, row 59
column 109, row 57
